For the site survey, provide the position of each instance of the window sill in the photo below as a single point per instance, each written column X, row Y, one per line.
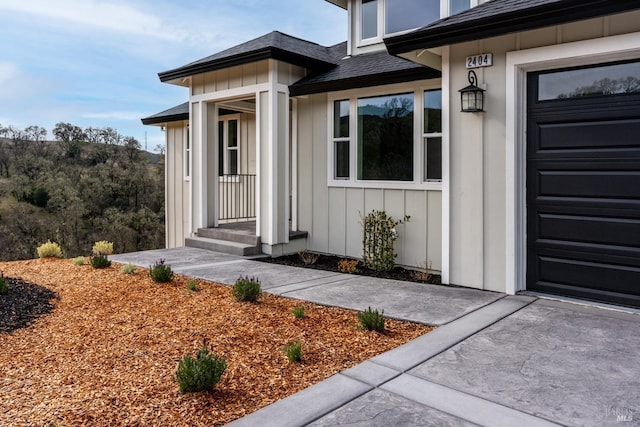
column 387, row 185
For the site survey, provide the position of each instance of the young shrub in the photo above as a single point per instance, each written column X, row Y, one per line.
column 377, row 244
column 3, row 285
column 49, row 250
column 201, row 373
column 99, row 261
column 371, row 320
column 78, row 260
column 349, row 266
column 102, row 247
column 192, row 285
column 247, row 289
column 129, row 268
column 308, row 258
column 293, row 350
column 160, row 272
column 425, row 274
column 298, row 311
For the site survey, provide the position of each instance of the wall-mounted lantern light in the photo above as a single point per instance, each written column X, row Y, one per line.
column 472, row 97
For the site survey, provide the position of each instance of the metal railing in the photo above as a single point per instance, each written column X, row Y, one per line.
column 237, row 197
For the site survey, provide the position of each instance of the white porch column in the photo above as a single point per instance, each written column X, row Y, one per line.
column 200, row 177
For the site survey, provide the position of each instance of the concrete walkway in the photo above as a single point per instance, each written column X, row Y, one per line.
column 494, row 360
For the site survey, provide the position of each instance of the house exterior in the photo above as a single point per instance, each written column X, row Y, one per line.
column 539, row 192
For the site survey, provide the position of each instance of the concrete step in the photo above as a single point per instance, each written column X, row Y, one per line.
column 229, row 235
column 224, row 246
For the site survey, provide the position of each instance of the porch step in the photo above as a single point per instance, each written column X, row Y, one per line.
column 232, row 235
column 225, row 246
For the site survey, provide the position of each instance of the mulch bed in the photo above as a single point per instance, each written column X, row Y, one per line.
column 23, row 303
column 330, row 263
column 106, row 354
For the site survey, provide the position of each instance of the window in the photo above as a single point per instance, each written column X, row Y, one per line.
column 385, row 138
column 341, row 139
column 457, row 6
column 369, row 23
column 432, row 135
column 401, row 15
column 228, row 146
column 391, row 140
column 187, row 154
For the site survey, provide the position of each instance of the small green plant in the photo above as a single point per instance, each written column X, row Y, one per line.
column 78, row 260
column 308, row 258
column 201, row 373
column 349, row 266
column 192, row 285
column 371, row 320
column 129, row 268
column 102, row 247
column 247, row 289
column 160, row 272
column 293, row 350
column 298, row 311
column 3, row 285
column 49, row 250
column 99, row 261
column 377, row 243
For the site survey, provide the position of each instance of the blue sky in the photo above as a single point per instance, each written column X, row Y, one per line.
column 95, row 62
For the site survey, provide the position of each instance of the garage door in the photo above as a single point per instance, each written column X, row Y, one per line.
column 583, row 182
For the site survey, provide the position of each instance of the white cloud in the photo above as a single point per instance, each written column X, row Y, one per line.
column 115, row 115
column 98, row 15
column 8, row 71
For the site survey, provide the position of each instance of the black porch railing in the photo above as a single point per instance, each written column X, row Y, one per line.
column 237, row 197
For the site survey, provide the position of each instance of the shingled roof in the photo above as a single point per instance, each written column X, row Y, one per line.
column 173, row 114
column 499, row 17
column 359, row 71
column 275, row 45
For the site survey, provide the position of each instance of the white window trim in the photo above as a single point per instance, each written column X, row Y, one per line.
column 226, row 119
column 187, row 154
column 417, row 88
column 518, row 64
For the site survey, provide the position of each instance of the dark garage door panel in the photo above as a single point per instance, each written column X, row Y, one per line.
column 583, row 198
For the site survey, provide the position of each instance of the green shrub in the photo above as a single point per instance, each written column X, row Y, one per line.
column 192, row 285
column 371, row 320
column 201, row 373
column 99, row 261
column 377, row 244
column 78, row 260
column 298, row 311
column 129, row 268
column 160, row 272
column 49, row 250
column 293, row 350
column 102, row 247
column 247, row 289
column 3, row 285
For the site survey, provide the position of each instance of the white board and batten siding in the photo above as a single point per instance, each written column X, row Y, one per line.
column 177, row 187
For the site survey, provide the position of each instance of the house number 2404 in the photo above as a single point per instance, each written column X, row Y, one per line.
column 483, row 60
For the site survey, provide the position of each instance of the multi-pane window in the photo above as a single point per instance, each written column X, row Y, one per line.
column 378, row 138
column 341, row 139
column 369, row 22
column 385, row 138
column 228, row 146
column 432, row 135
column 401, row 15
column 457, row 6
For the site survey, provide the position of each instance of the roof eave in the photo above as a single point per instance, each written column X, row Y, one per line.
column 165, row 119
column 339, row 3
column 497, row 25
column 245, row 58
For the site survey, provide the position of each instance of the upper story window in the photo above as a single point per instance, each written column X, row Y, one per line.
column 379, row 18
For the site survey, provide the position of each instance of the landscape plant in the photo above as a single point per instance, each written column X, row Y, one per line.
column 3, row 285
column 424, row 274
column 349, row 266
column 293, row 350
column 201, row 373
column 378, row 238
column 298, row 311
column 371, row 320
column 247, row 289
column 161, row 272
column 102, row 247
column 49, row 250
column 308, row 258
column 99, row 261
column 192, row 285
column 78, row 260
column 129, row 268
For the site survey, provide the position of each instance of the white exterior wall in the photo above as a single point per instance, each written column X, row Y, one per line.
column 176, row 185
column 480, row 254
column 331, row 215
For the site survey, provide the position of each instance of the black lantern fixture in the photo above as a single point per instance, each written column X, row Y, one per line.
column 472, row 97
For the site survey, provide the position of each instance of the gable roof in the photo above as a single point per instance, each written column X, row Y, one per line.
column 275, row 45
column 499, row 17
column 363, row 70
column 341, row 3
column 173, row 114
